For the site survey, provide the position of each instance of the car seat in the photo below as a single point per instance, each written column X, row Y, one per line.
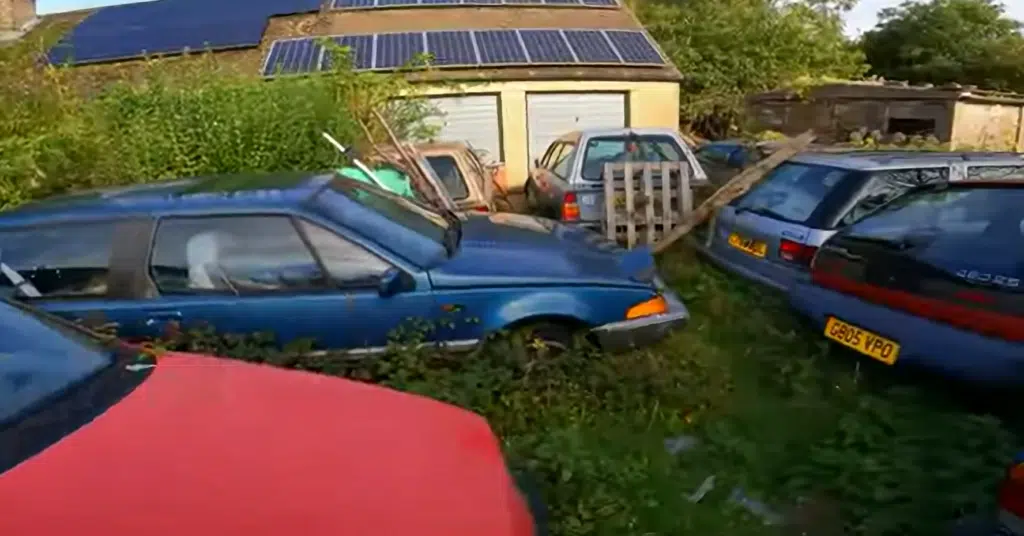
column 202, row 253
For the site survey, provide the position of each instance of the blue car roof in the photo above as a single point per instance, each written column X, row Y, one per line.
column 880, row 160
column 220, row 192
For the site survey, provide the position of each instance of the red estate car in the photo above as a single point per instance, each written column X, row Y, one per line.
column 98, row 440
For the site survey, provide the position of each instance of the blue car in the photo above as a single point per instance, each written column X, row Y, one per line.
column 322, row 257
column 934, row 278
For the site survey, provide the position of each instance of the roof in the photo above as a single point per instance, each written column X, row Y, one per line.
column 432, row 18
column 883, row 90
column 870, row 160
column 574, row 136
column 221, row 192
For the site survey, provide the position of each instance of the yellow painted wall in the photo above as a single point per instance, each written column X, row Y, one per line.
column 988, row 126
column 648, row 104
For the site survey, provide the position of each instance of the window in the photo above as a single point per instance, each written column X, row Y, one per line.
column 552, row 154
column 884, row 186
column 41, row 357
column 447, row 170
column 601, row 151
column 233, row 254
column 990, row 173
column 715, row 154
column 60, row 260
column 348, row 264
column 412, row 216
column 911, row 126
column 563, row 160
column 792, row 191
column 959, row 226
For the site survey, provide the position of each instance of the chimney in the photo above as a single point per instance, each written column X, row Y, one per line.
column 16, row 14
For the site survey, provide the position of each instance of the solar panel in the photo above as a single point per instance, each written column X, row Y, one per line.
column 591, row 46
column 293, row 56
column 635, row 47
column 562, row 2
column 361, row 50
column 348, row 4
column 171, row 27
column 461, row 48
column 439, row 2
column 499, row 47
column 452, row 48
column 395, row 3
column 522, row 2
column 395, row 50
column 599, row 2
column 547, row 46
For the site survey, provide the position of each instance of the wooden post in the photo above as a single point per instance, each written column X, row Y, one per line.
column 649, row 203
column 630, row 206
column 666, row 198
column 736, row 187
column 609, row 202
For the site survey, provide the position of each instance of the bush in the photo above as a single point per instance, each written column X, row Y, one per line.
column 178, row 118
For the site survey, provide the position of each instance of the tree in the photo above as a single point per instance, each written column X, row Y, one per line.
column 727, row 49
column 942, row 41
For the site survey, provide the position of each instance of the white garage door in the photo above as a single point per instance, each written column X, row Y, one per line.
column 550, row 115
column 472, row 118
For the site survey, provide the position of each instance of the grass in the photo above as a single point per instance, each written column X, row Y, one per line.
column 834, row 446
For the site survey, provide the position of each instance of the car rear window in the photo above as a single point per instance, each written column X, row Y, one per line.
column 61, row 261
column 793, row 191
column 600, row 151
column 447, row 170
column 974, row 232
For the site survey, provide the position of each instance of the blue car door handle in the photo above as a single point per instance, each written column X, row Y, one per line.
column 162, row 316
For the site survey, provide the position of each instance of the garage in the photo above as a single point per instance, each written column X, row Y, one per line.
column 550, row 115
column 471, row 118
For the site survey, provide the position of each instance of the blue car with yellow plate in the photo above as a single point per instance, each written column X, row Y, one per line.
column 326, row 258
column 934, row 279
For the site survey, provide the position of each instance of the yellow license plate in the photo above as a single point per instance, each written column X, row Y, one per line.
column 746, row 245
column 865, row 342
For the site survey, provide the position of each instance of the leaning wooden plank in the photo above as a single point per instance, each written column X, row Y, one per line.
column 736, row 187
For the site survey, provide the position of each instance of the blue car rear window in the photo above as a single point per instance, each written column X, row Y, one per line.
column 975, row 232
column 794, row 192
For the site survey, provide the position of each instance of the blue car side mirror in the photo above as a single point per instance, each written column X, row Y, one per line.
column 392, row 281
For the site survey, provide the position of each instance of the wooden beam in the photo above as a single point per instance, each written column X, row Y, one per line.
column 736, row 187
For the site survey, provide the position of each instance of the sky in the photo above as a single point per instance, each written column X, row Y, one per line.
column 863, row 17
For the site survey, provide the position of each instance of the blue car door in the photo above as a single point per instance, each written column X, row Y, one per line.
column 275, row 274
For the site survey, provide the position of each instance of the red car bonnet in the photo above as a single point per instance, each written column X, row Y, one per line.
column 218, row 447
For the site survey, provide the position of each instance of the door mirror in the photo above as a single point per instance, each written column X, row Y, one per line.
column 536, row 163
column 392, row 281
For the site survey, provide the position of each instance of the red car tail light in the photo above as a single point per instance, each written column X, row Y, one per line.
column 570, row 209
column 1011, row 492
column 796, row 252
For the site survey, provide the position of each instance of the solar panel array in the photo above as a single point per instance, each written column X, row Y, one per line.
column 469, row 48
column 370, row 4
column 171, row 27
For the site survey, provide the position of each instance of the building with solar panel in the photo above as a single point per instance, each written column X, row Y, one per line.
column 540, row 68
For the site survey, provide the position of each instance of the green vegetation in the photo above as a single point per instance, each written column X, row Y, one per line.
column 730, row 48
column 775, row 410
column 833, row 446
column 943, row 41
column 176, row 119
